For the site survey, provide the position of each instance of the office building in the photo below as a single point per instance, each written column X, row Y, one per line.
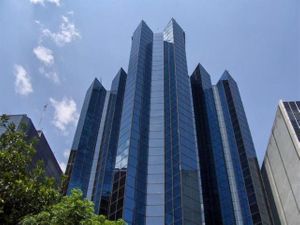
column 232, row 188
column 157, row 141
column 281, row 166
column 43, row 150
column 177, row 156
column 91, row 161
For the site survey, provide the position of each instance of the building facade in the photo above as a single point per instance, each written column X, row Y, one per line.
column 43, row 150
column 91, row 161
column 281, row 166
column 157, row 141
column 231, row 181
column 181, row 150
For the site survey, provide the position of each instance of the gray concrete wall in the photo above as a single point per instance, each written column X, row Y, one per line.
column 281, row 170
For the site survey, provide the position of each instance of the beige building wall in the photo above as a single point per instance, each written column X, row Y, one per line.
column 281, row 170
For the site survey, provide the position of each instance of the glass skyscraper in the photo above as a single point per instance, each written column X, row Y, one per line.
column 231, row 181
column 163, row 148
column 91, row 162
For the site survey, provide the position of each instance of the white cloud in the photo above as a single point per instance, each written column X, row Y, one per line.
column 37, row 2
column 44, row 54
column 51, row 75
column 66, row 153
column 62, row 166
column 42, row 2
column 22, row 83
column 65, row 113
column 70, row 12
column 66, row 34
column 57, row 2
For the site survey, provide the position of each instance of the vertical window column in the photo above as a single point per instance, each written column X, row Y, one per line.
column 228, row 160
column 155, row 176
column 97, row 149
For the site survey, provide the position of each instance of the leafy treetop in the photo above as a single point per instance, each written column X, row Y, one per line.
column 28, row 196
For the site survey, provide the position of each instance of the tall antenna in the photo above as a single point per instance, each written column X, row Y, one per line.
column 42, row 116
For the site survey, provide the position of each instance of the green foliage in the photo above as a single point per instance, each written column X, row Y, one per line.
column 28, row 196
column 71, row 210
column 24, row 189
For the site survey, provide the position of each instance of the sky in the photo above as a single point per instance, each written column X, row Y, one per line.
column 51, row 50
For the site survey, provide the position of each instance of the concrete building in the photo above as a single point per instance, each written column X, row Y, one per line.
column 281, row 166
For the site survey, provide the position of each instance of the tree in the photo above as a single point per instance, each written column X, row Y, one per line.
column 24, row 189
column 71, row 210
column 28, row 196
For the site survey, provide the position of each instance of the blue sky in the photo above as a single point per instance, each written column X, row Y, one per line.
column 51, row 50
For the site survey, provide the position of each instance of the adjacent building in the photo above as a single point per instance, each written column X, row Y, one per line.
column 232, row 187
column 162, row 147
column 43, row 150
column 281, row 166
column 91, row 163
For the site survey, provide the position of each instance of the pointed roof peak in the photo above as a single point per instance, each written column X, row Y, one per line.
column 122, row 70
column 226, row 76
column 172, row 21
column 200, row 71
column 201, row 67
column 144, row 24
column 95, row 80
column 226, row 71
column 96, row 84
column 171, row 26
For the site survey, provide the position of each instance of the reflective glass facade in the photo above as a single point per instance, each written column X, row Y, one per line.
column 163, row 148
column 92, row 159
column 155, row 203
column 102, row 185
column 217, row 199
column 293, row 111
column 85, row 138
column 132, row 152
column 183, row 201
column 232, row 188
column 157, row 153
column 246, row 151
